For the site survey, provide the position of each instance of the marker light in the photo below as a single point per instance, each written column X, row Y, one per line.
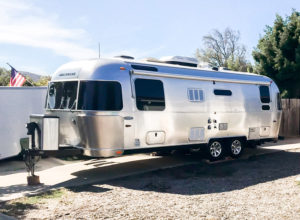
column 119, row 152
column 122, row 68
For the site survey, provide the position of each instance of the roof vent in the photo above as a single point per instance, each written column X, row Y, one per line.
column 152, row 59
column 179, row 60
column 125, row 57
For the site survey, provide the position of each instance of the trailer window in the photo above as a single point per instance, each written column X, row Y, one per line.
column 265, row 107
column 264, row 94
column 149, row 95
column 222, row 92
column 195, row 95
column 100, row 96
column 148, row 68
column 279, row 104
column 62, row 95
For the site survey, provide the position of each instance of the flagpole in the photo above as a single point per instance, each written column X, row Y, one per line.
column 10, row 65
column 99, row 49
column 24, row 76
column 29, row 82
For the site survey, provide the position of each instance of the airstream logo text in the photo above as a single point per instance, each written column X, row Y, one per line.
column 67, row 74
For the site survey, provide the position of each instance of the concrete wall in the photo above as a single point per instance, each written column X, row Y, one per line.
column 16, row 104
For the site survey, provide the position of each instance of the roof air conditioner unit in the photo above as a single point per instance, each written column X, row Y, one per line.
column 179, row 60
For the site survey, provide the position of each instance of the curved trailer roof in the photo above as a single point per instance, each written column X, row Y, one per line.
column 88, row 68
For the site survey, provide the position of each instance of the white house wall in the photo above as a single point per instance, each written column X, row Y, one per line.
column 17, row 103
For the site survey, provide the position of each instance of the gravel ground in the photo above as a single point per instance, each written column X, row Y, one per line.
column 261, row 187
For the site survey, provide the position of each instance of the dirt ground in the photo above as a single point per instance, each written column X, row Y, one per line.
column 262, row 187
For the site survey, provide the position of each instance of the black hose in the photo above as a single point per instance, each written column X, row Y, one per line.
column 31, row 127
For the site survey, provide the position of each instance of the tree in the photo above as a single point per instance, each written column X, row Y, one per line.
column 278, row 54
column 43, row 81
column 4, row 77
column 224, row 50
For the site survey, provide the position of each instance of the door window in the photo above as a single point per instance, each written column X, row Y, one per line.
column 149, row 95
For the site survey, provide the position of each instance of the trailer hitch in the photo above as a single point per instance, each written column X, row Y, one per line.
column 31, row 127
column 30, row 158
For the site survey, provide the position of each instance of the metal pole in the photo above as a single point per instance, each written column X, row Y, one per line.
column 99, row 49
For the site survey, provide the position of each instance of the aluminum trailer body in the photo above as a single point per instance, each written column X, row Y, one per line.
column 108, row 106
column 16, row 104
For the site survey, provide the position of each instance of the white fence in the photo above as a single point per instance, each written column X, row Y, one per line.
column 16, row 104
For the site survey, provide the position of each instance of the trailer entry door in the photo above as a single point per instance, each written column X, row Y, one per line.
column 266, row 109
column 150, row 102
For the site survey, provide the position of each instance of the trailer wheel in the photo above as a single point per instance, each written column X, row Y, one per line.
column 236, row 147
column 215, row 150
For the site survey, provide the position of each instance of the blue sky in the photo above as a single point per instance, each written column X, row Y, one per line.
column 39, row 35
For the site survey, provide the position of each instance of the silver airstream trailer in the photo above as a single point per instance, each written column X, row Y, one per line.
column 110, row 106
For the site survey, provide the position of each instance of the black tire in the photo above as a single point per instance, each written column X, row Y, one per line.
column 236, row 147
column 215, row 150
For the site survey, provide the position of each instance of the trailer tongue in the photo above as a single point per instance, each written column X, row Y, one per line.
column 44, row 138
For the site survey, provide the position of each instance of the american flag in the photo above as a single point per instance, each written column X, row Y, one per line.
column 16, row 78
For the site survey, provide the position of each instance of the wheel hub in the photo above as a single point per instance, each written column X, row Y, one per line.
column 215, row 149
column 236, row 147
